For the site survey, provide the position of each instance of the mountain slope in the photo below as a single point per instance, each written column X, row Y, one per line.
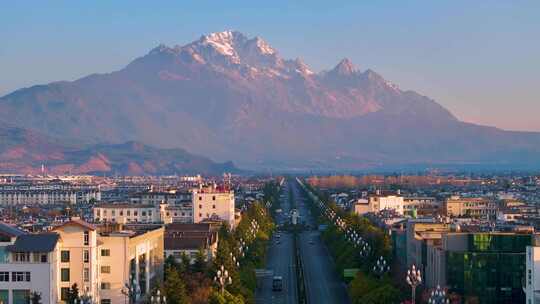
column 231, row 97
column 24, row 151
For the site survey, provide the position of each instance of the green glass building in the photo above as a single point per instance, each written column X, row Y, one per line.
column 491, row 267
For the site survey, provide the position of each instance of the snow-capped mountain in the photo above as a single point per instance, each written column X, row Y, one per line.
column 229, row 96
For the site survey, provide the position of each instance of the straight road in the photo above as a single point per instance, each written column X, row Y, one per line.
column 323, row 285
column 280, row 259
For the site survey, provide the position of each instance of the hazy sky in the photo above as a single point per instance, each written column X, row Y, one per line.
column 480, row 59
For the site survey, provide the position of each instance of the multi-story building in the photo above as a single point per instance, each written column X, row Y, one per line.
column 470, row 207
column 377, row 202
column 420, row 205
column 30, row 194
column 213, row 202
column 172, row 198
column 486, row 267
column 99, row 261
column 127, row 213
column 532, row 275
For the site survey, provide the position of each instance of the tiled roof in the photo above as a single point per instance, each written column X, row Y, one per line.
column 43, row 242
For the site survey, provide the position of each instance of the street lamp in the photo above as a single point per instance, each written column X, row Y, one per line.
column 414, row 278
column 438, row 296
column 158, row 298
column 381, row 267
column 222, row 278
column 132, row 290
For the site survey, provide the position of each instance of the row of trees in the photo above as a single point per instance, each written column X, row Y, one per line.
column 240, row 252
column 367, row 287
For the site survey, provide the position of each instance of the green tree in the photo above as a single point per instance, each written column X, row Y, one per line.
column 73, row 294
column 35, row 298
column 201, row 264
column 174, row 287
column 225, row 298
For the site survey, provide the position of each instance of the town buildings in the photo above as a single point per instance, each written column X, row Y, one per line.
column 99, row 259
column 212, row 202
column 35, row 194
column 378, row 202
column 471, row 207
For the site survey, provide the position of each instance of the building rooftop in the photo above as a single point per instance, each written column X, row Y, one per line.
column 43, row 242
column 10, row 230
column 123, row 205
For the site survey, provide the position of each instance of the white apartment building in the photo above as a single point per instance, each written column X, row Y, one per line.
column 127, row 213
column 376, row 203
column 47, row 194
column 212, row 202
column 100, row 263
column 172, row 198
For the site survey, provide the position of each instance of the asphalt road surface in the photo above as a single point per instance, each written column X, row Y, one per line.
column 280, row 259
column 323, row 285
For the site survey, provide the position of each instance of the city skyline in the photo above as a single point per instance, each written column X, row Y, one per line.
column 479, row 63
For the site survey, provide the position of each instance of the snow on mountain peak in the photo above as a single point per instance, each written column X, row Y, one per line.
column 264, row 47
column 223, row 42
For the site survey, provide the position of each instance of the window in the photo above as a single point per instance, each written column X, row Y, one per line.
column 86, row 256
column 214, row 198
column 105, row 285
column 21, row 296
column 200, row 206
column 200, row 198
column 43, row 258
column 19, row 276
column 105, row 301
column 214, row 206
column 144, row 213
column 64, row 274
column 113, row 213
column 86, row 238
column 105, row 252
column 200, row 214
column 135, row 213
column 86, row 274
column 64, row 256
column 128, row 212
column 4, row 276
column 64, row 292
column 121, row 212
column 22, row 257
column 105, row 269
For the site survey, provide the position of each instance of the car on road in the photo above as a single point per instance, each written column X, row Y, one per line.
column 277, row 283
column 311, row 242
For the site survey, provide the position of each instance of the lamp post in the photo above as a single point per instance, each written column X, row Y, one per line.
column 132, row 291
column 438, row 296
column 222, row 278
column 158, row 298
column 381, row 267
column 414, row 278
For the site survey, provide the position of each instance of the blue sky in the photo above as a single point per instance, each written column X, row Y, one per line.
column 480, row 59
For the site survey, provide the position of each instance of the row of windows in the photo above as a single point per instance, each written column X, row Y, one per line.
column 16, row 276
column 121, row 212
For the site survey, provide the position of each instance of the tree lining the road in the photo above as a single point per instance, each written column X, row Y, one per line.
column 366, row 287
